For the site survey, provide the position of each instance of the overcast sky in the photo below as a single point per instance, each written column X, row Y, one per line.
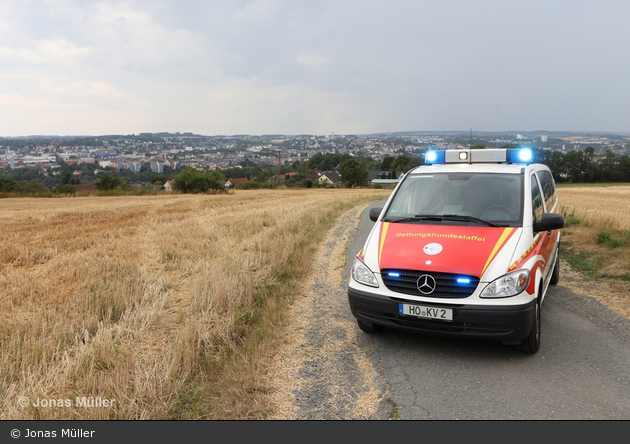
column 313, row 67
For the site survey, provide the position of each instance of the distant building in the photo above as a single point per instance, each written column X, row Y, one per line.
column 133, row 166
column 328, row 178
column 168, row 186
column 157, row 167
column 543, row 138
column 232, row 182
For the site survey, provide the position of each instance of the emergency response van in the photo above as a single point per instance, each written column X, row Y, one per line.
column 466, row 245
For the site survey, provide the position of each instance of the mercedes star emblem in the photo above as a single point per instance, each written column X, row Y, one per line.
column 426, row 284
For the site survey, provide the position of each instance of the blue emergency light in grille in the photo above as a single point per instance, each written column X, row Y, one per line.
column 447, row 285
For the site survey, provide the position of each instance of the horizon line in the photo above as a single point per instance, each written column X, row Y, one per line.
column 410, row 132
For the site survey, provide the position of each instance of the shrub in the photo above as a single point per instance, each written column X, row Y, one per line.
column 254, row 185
column 192, row 181
column 608, row 239
column 66, row 189
column 8, row 185
column 108, row 182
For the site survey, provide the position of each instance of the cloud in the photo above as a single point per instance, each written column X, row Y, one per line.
column 313, row 59
column 42, row 53
column 299, row 66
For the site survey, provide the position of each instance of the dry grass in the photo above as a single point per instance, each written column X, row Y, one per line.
column 167, row 305
column 589, row 212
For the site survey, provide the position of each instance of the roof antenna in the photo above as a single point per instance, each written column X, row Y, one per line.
column 497, row 126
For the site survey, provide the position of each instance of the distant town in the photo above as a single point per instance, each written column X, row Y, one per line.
column 139, row 157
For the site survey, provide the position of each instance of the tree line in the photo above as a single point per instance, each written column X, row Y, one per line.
column 586, row 166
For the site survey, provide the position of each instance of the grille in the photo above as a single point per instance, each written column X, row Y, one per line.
column 447, row 285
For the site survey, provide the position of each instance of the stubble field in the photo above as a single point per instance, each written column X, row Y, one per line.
column 154, row 307
column 170, row 307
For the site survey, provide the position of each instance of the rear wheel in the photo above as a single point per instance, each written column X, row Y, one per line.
column 531, row 343
column 369, row 328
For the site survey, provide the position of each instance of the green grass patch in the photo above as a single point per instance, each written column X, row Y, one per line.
column 621, row 277
column 613, row 239
column 592, row 263
column 394, row 409
column 570, row 218
column 581, row 262
column 570, row 221
column 605, row 238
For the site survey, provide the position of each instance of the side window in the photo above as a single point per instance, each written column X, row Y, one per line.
column 548, row 189
column 537, row 201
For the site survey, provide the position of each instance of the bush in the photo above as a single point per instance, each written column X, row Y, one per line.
column 192, row 181
column 36, row 188
column 253, row 185
column 66, row 189
column 109, row 182
column 608, row 239
column 8, row 185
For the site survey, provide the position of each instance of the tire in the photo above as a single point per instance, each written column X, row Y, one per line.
column 531, row 343
column 369, row 328
column 555, row 276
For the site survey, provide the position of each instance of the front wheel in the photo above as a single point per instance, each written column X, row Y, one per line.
column 531, row 343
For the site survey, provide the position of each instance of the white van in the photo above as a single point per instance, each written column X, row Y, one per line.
column 466, row 245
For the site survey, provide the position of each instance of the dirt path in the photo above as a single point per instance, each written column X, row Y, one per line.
column 324, row 372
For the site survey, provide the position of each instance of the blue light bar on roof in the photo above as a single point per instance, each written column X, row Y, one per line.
column 488, row 155
column 434, row 156
column 521, row 155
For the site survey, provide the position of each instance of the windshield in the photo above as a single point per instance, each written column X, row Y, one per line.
column 459, row 197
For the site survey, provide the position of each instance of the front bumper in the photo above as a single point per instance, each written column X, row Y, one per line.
column 509, row 324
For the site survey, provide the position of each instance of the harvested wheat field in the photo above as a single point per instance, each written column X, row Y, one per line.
column 151, row 307
column 597, row 237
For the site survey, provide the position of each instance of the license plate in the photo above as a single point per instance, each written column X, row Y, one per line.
column 446, row 314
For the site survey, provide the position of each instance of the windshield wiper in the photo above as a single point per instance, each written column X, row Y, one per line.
column 435, row 217
column 442, row 217
column 469, row 219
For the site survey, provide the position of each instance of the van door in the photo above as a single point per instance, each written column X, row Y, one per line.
column 546, row 240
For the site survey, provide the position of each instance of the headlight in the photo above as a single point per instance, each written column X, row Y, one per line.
column 507, row 285
column 362, row 274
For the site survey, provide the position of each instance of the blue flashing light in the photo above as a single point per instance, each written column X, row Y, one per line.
column 393, row 274
column 463, row 280
column 523, row 155
column 431, row 157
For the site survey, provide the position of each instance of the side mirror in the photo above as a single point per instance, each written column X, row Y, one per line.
column 549, row 221
column 375, row 213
